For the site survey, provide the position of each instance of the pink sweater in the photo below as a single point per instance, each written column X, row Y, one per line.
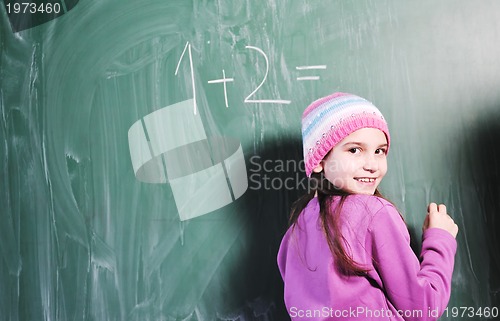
column 397, row 287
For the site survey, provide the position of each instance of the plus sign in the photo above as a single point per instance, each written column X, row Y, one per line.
column 223, row 80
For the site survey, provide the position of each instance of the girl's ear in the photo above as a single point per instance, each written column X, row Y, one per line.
column 318, row 168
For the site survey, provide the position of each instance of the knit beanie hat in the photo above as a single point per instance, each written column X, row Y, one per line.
column 330, row 119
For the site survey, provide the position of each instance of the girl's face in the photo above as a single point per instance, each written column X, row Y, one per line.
column 358, row 163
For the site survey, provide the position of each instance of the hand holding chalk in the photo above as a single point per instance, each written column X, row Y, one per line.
column 438, row 218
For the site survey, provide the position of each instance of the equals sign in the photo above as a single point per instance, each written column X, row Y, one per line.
column 309, row 68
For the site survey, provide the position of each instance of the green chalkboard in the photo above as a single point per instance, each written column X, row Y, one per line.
column 150, row 150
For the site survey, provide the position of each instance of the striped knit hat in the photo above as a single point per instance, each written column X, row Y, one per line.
column 330, row 119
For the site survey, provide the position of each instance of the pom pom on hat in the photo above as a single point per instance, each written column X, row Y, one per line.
column 330, row 119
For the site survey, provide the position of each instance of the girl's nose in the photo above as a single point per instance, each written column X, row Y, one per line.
column 370, row 164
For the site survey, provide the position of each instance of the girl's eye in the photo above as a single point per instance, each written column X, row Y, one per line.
column 354, row 150
column 381, row 151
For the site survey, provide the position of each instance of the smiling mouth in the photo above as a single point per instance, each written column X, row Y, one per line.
column 365, row 179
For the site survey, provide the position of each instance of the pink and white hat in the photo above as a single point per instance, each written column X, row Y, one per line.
column 330, row 119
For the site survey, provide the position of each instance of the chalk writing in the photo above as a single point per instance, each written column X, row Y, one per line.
column 188, row 47
column 309, row 68
column 265, row 101
column 249, row 99
column 224, row 80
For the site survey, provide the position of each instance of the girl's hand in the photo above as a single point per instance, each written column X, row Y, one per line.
column 437, row 217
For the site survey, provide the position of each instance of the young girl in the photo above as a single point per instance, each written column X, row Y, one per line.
column 346, row 255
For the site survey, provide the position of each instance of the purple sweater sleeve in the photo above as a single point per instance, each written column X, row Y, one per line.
column 410, row 285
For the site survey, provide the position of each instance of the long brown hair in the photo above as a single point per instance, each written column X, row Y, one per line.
column 330, row 222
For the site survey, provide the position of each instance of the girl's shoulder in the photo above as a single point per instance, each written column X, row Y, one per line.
column 372, row 201
column 367, row 206
column 355, row 207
